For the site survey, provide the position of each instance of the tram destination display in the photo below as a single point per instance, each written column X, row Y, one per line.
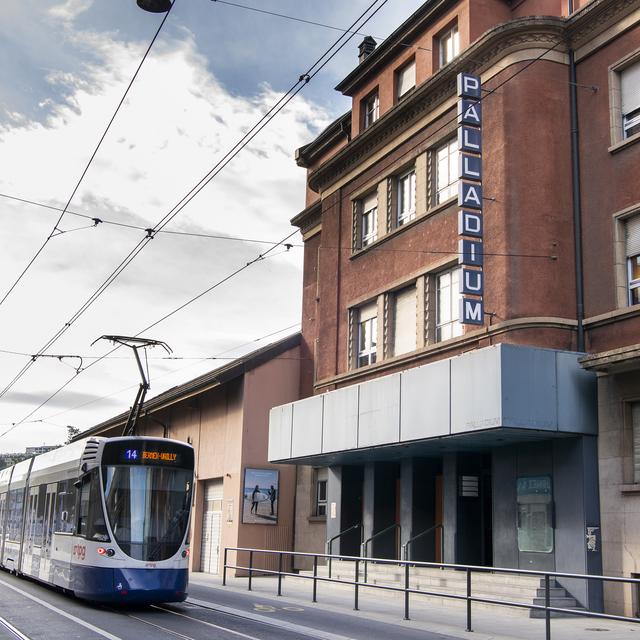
column 147, row 453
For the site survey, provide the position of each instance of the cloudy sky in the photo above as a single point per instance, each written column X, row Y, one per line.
column 212, row 73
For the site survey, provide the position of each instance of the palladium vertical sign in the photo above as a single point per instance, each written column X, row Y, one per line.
column 470, row 225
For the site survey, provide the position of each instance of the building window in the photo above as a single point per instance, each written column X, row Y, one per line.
column 369, row 220
column 406, row 197
column 446, row 171
column 367, row 329
column 632, row 243
column 404, row 321
column 449, row 45
column 630, row 100
column 405, row 80
column 370, row 110
column 447, row 305
column 320, row 497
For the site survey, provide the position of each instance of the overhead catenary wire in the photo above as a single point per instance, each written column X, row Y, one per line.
column 280, row 104
column 56, row 231
column 84, row 404
column 444, row 125
column 173, row 232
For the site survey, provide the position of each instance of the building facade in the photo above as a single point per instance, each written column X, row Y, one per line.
column 470, row 317
column 224, row 414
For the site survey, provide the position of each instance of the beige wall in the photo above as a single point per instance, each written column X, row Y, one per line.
column 228, row 427
column 619, row 497
column 310, row 530
column 274, row 383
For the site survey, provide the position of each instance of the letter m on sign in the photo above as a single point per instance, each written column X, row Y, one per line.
column 471, row 311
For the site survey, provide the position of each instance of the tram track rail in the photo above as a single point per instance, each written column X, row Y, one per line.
column 13, row 631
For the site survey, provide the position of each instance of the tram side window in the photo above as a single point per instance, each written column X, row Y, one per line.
column 65, row 507
column 16, row 505
column 91, row 522
column 3, row 504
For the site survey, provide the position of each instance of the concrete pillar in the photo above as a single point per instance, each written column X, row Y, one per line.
column 334, row 502
column 450, row 505
column 406, row 499
column 368, row 500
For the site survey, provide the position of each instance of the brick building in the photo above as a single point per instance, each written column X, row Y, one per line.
column 498, row 431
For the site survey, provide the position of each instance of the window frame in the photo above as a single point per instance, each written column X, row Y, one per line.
column 367, row 354
column 410, row 64
column 370, row 114
column 452, row 167
column 320, row 506
column 369, row 215
column 403, row 216
column 457, row 329
column 618, row 118
column 452, row 34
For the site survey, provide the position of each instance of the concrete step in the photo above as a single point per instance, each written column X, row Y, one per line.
column 554, row 592
column 416, row 600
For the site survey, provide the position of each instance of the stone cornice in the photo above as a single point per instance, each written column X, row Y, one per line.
column 595, row 17
column 504, row 39
column 309, row 217
column 616, row 359
column 446, row 348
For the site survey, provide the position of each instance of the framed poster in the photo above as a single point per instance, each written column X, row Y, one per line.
column 260, row 496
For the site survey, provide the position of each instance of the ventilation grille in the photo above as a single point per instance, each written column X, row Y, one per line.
column 90, row 451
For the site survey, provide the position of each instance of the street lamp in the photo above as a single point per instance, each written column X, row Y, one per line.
column 155, row 6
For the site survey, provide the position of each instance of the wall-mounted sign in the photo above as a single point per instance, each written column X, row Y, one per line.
column 261, row 495
column 470, row 223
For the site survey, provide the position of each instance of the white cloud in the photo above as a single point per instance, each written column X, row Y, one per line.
column 70, row 10
column 176, row 123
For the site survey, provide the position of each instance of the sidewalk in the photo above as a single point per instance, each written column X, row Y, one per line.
column 495, row 624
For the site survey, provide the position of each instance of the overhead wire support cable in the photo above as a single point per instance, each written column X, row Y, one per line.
column 56, row 230
column 302, row 81
column 200, row 185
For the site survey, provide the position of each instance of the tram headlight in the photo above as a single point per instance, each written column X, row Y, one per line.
column 106, row 552
column 185, row 553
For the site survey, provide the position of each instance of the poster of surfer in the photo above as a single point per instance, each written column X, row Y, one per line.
column 260, row 504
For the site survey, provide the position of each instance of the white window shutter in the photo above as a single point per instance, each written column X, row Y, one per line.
column 368, row 311
column 632, row 227
column 370, row 202
column 404, row 335
column 407, row 78
column 630, row 88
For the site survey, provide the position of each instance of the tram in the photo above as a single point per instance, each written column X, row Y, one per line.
column 104, row 518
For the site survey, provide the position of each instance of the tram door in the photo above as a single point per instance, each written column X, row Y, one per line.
column 26, row 564
column 211, row 526
column 49, row 512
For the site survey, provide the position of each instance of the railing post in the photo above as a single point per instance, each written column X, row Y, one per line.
column 330, row 545
column 364, row 553
column 547, row 604
column 250, row 569
column 315, row 577
column 355, row 605
column 406, row 591
column 280, row 573
column 469, row 600
column 224, row 568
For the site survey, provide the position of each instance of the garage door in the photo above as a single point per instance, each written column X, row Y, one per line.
column 211, row 525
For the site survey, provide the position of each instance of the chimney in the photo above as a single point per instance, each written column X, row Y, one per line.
column 366, row 48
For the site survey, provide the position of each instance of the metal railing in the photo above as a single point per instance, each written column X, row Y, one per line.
column 329, row 543
column 365, row 545
column 405, row 546
column 469, row 570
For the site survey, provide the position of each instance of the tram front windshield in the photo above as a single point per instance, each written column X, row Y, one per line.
column 148, row 508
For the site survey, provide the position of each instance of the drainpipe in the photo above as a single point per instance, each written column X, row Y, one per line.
column 577, row 204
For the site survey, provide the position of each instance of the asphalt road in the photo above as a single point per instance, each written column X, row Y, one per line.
column 210, row 613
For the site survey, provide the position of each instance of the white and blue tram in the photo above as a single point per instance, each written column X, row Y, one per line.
column 104, row 518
